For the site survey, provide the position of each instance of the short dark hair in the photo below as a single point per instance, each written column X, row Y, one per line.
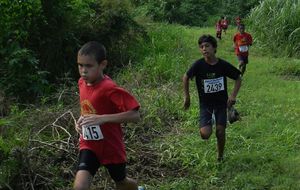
column 208, row 38
column 95, row 49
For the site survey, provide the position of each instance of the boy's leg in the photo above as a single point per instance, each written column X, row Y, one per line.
column 83, row 180
column 242, row 67
column 205, row 121
column 87, row 167
column 242, row 63
column 221, row 138
column 118, row 174
column 221, row 119
column 205, row 132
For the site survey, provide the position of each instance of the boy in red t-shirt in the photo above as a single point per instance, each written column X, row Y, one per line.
column 104, row 106
column 242, row 41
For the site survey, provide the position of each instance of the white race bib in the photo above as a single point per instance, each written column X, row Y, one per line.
column 92, row 132
column 213, row 85
column 243, row 48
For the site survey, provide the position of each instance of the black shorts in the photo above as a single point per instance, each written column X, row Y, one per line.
column 206, row 115
column 88, row 161
column 243, row 59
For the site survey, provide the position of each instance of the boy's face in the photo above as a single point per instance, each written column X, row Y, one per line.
column 207, row 49
column 89, row 69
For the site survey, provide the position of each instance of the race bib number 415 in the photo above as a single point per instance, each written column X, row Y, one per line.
column 213, row 85
column 92, row 132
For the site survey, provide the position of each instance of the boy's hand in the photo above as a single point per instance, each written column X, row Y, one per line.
column 187, row 103
column 92, row 119
column 78, row 125
column 231, row 101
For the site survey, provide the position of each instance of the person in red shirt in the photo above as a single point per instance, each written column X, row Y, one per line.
column 224, row 23
column 104, row 106
column 219, row 30
column 242, row 41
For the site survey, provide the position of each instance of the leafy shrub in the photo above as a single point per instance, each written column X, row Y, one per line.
column 45, row 36
column 20, row 74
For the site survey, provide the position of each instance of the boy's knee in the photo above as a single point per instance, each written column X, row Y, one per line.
column 205, row 133
column 204, row 136
column 220, row 133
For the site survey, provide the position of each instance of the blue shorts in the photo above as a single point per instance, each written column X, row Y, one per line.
column 243, row 59
column 206, row 115
column 88, row 161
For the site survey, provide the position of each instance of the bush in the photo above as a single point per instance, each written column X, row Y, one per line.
column 39, row 40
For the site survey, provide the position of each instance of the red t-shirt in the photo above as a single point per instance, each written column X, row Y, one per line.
column 106, row 97
column 242, row 43
column 218, row 26
column 224, row 23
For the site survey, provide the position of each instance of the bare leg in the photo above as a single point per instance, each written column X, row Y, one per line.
column 242, row 67
column 221, row 138
column 205, row 132
column 83, row 180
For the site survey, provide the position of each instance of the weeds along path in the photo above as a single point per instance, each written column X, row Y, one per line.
column 261, row 149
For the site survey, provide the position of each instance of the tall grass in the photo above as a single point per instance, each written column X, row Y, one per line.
column 275, row 25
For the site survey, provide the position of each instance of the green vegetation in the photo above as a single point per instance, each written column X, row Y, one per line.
column 277, row 31
column 38, row 143
column 195, row 12
column 39, row 40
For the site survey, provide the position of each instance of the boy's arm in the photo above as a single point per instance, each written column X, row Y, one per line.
column 250, row 40
column 187, row 101
column 123, row 117
column 232, row 98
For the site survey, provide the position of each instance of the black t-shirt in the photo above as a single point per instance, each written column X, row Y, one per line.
column 211, row 81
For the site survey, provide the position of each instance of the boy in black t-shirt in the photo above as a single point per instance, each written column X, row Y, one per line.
column 211, row 79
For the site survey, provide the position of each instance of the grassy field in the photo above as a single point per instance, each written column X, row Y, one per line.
column 262, row 150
